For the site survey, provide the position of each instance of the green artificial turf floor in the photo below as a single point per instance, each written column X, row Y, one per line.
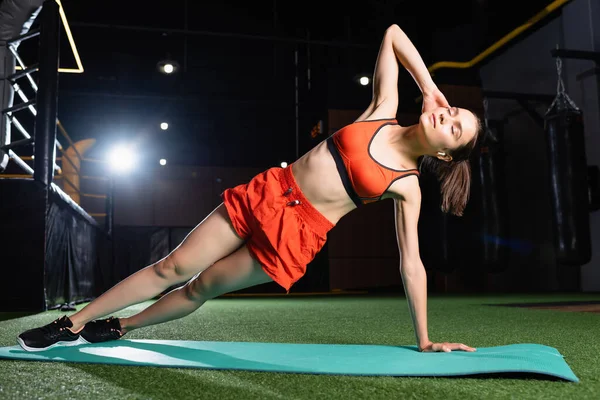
column 364, row 319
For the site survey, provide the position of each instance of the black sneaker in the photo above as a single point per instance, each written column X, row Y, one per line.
column 49, row 336
column 101, row 330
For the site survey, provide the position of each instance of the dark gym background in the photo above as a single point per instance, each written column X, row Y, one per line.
column 263, row 83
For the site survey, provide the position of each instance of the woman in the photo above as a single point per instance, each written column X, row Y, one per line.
column 270, row 228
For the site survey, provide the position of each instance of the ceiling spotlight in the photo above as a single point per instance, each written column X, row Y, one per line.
column 283, row 164
column 164, row 126
column 362, row 78
column 163, row 161
column 122, row 159
column 167, row 66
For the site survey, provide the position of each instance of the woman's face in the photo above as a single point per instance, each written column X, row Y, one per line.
column 448, row 128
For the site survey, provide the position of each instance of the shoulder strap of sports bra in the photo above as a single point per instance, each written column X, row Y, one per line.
column 382, row 120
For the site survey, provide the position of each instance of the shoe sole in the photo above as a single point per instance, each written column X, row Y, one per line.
column 83, row 341
column 77, row 342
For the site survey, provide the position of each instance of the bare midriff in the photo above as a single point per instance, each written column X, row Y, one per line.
column 318, row 178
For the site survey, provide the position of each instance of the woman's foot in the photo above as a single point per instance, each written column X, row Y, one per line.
column 56, row 333
column 101, row 330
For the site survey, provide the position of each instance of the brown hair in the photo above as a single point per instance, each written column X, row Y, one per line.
column 454, row 176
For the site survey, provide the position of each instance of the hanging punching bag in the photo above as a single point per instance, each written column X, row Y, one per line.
column 494, row 221
column 563, row 125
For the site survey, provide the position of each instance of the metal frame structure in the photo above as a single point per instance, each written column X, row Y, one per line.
column 580, row 55
column 524, row 98
column 44, row 107
column 512, row 35
column 65, row 24
column 550, row 8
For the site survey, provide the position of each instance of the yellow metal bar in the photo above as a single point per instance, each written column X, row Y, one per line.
column 94, row 160
column 30, row 158
column 63, row 17
column 14, row 176
column 71, row 184
column 94, row 196
column 22, row 164
column 102, row 215
column 24, row 176
column 62, row 130
column 65, row 23
column 66, row 157
column 507, row 38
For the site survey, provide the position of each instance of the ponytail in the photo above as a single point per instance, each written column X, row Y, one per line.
column 455, row 182
column 454, row 176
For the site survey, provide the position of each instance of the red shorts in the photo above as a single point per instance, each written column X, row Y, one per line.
column 283, row 231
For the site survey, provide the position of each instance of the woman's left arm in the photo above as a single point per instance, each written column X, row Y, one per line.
column 410, row 58
column 414, row 276
column 396, row 48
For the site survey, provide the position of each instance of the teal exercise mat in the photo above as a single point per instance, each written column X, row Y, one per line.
column 339, row 359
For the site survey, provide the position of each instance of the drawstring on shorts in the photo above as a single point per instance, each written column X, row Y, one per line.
column 263, row 224
column 293, row 202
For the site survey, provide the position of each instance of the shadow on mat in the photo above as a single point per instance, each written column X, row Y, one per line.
column 123, row 353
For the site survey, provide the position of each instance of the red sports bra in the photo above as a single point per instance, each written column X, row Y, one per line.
column 364, row 178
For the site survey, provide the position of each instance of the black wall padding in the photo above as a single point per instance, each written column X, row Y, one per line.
column 22, row 236
column 135, row 248
column 70, row 253
column 48, row 247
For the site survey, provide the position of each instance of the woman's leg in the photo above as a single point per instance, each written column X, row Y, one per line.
column 211, row 240
column 234, row 272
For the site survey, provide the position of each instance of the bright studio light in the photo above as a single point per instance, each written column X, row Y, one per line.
column 364, row 80
column 283, row 164
column 122, row 159
column 163, row 161
column 164, row 126
column 168, row 68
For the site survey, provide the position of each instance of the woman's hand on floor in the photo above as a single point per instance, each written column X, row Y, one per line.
column 445, row 347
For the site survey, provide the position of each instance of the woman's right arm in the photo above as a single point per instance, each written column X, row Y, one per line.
column 395, row 47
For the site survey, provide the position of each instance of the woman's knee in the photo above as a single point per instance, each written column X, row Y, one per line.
column 197, row 290
column 168, row 269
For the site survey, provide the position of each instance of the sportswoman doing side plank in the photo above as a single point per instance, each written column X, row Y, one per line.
column 270, row 228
